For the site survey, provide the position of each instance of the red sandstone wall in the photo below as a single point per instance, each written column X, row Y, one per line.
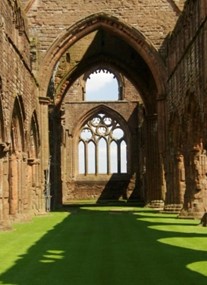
column 16, row 80
column 186, row 103
column 50, row 18
column 74, row 112
column 16, row 74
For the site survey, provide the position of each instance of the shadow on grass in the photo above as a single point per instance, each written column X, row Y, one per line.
column 110, row 246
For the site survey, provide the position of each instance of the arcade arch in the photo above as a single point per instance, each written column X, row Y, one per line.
column 17, row 159
column 92, row 45
column 33, row 172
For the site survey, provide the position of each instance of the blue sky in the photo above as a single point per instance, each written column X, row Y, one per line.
column 101, row 87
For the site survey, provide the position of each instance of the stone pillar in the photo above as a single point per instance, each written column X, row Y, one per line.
column 57, row 143
column 4, row 185
column 70, row 166
column 180, row 179
column 13, row 185
column 44, row 146
column 162, row 145
column 1, row 190
column 169, row 177
column 175, row 183
column 153, row 167
column 195, row 199
column 44, row 131
column 23, row 189
column 34, row 193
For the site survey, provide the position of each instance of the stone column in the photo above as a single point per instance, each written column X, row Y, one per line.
column 44, row 152
column 195, row 199
column 44, row 130
column 70, row 166
column 1, row 190
column 153, row 167
column 162, row 138
column 34, row 194
column 175, row 182
column 24, row 191
column 4, row 190
column 169, row 177
column 13, row 185
column 180, row 179
column 5, row 187
column 58, row 155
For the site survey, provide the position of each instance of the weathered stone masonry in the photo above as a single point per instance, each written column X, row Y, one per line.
column 156, row 49
column 187, row 110
column 21, row 193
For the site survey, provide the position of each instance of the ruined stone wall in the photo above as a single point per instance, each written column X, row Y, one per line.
column 101, row 187
column 51, row 20
column 28, row 29
column 15, row 72
column 186, row 104
column 17, row 85
column 48, row 19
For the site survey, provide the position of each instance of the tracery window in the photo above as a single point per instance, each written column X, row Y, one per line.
column 102, row 147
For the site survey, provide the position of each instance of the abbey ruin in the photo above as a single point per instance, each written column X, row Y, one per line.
column 156, row 128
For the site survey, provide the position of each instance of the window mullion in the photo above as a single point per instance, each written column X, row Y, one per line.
column 119, row 156
column 86, row 158
column 103, row 131
column 96, row 158
column 108, row 157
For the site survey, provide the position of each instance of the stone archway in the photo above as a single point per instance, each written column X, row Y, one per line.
column 17, row 161
column 94, row 183
column 35, row 195
column 94, row 22
column 149, row 79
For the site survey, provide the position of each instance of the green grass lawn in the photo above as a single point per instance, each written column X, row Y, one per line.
column 107, row 245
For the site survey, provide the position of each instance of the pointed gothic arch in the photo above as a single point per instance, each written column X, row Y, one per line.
column 132, row 37
column 33, row 167
column 69, row 78
column 34, row 138
column 142, row 67
column 99, row 126
column 99, row 109
column 17, row 159
column 17, row 126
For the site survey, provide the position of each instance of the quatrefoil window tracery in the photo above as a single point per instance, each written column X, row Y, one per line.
column 102, row 146
column 102, row 126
